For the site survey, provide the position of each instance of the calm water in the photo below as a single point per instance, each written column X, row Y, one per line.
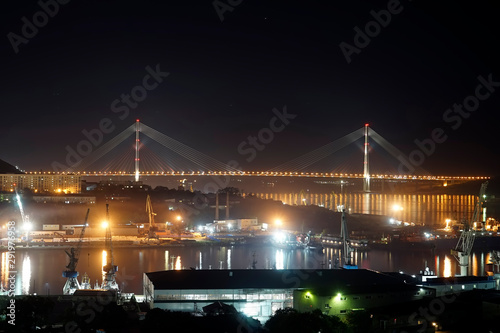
column 429, row 209
column 39, row 271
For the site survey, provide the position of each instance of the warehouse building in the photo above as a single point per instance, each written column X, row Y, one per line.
column 259, row 293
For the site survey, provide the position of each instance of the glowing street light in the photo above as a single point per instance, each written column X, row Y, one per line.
column 27, row 226
column 278, row 222
column 447, row 224
column 105, row 224
column 397, row 207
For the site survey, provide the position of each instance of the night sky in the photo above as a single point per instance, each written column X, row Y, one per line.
column 226, row 77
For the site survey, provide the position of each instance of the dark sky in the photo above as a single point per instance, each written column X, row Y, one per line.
column 227, row 76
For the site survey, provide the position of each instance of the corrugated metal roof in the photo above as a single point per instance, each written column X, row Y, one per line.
column 319, row 279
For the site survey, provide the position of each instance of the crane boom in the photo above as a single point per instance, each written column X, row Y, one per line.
column 24, row 217
column 346, row 243
column 76, row 252
column 465, row 243
column 479, row 203
column 151, row 215
column 20, row 204
column 70, row 273
column 110, row 269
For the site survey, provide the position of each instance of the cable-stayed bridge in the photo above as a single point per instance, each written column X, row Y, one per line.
column 156, row 154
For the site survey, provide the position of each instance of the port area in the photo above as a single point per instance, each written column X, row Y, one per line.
column 138, row 241
column 425, row 238
column 365, row 235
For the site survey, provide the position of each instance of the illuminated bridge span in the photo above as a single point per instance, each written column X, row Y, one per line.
column 178, row 159
column 270, row 174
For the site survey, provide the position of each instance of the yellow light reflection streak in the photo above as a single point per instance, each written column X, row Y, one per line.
column 104, row 263
column 178, row 265
column 5, row 270
column 26, row 276
column 447, row 267
column 475, row 268
column 166, row 260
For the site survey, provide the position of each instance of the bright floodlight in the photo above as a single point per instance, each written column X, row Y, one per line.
column 397, row 207
column 27, row 226
column 104, row 224
column 280, row 237
column 178, row 217
column 278, row 222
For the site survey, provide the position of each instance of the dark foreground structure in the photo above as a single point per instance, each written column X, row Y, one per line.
column 260, row 293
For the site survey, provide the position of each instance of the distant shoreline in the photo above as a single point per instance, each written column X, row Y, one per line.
column 132, row 244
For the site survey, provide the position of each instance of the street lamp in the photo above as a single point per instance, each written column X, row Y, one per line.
column 396, row 208
column 447, row 224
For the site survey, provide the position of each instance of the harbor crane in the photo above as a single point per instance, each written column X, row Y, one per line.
column 24, row 218
column 346, row 245
column 70, row 273
column 463, row 248
column 151, row 214
column 110, row 269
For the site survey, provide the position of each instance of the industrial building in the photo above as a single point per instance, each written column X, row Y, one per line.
column 458, row 284
column 66, row 199
column 259, row 293
column 235, row 224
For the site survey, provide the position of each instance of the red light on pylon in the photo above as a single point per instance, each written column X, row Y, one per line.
column 366, row 125
column 137, row 120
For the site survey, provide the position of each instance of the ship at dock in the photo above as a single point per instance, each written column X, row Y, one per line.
column 484, row 231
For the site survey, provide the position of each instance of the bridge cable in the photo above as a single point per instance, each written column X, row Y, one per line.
column 391, row 149
column 101, row 151
column 185, row 151
column 318, row 154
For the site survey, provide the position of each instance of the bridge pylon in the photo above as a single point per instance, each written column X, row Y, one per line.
column 137, row 131
column 366, row 166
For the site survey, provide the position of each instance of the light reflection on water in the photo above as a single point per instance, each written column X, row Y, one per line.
column 103, row 263
column 5, row 270
column 447, row 267
column 178, row 265
column 429, row 209
column 37, row 271
column 26, row 276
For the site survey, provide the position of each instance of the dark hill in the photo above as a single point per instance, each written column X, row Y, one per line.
column 8, row 168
